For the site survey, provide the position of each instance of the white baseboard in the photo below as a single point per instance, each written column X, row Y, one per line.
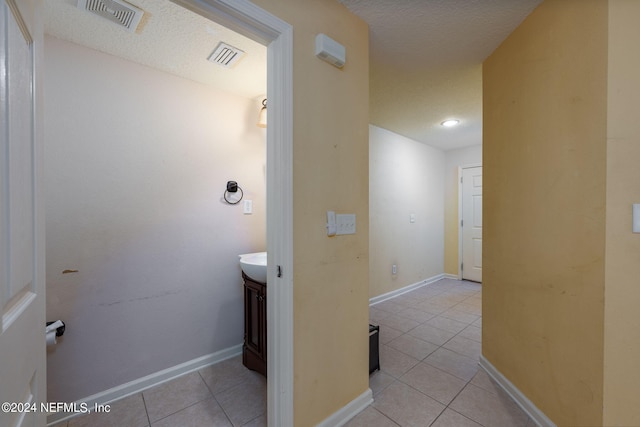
column 136, row 386
column 350, row 410
column 404, row 290
column 521, row 400
column 451, row 276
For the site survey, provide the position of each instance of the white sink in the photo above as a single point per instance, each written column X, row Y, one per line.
column 255, row 266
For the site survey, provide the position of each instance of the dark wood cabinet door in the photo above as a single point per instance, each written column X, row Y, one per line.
column 254, row 351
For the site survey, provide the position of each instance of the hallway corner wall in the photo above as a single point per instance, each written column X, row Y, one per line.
column 545, row 175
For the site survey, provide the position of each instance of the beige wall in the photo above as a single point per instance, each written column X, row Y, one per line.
column 406, row 177
column 330, row 149
column 544, row 141
column 453, row 160
column 622, row 294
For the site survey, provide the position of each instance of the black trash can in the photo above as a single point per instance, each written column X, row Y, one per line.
column 374, row 355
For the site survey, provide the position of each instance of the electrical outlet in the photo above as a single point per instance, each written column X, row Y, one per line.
column 394, row 269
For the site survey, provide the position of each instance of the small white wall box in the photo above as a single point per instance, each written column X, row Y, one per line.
column 330, row 50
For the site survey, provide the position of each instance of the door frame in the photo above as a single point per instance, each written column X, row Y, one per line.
column 460, row 170
column 259, row 25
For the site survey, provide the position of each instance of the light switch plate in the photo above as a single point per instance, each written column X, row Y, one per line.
column 248, row 207
column 636, row 217
column 346, row 224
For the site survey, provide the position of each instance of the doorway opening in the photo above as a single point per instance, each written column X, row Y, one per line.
column 260, row 26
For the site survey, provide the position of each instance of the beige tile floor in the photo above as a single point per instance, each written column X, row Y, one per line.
column 430, row 341
column 225, row 394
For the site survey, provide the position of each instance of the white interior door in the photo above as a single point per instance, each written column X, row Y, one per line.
column 22, row 304
column 472, row 224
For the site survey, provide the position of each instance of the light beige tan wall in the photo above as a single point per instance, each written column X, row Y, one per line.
column 406, row 177
column 453, row 160
column 544, row 142
column 331, row 172
column 622, row 293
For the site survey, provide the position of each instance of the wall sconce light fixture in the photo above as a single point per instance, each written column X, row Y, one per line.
column 262, row 116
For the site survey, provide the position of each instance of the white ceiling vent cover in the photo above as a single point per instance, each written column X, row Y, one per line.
column 226, row 55
column 116, row 11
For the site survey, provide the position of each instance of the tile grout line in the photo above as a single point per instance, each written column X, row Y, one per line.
column 173, row 413
column 216, row 399
column 146, row 411
column 385, row 415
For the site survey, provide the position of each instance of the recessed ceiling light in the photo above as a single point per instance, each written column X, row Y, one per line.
column 450, row 123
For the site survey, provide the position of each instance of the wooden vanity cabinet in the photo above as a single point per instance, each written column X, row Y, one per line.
column 254, row 350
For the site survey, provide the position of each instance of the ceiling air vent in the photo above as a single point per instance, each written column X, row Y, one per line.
column 116, row 11
column 226, row 55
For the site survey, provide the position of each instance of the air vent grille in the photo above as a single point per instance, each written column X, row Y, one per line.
column 116, row 11
column 226, row 55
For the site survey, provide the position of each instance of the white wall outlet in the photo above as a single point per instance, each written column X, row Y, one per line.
column 636, row 217
column 331, row 223
column 248, row 207
column 394, row 269
column 412, row 218
column 346, row 224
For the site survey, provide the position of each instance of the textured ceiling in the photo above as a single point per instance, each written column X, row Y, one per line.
column 169, row 38
column 426, row 58
column 425, row 55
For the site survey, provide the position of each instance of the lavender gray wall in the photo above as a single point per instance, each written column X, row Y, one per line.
column 136, row 164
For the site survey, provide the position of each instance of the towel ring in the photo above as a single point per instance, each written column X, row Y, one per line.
column 229, row 201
